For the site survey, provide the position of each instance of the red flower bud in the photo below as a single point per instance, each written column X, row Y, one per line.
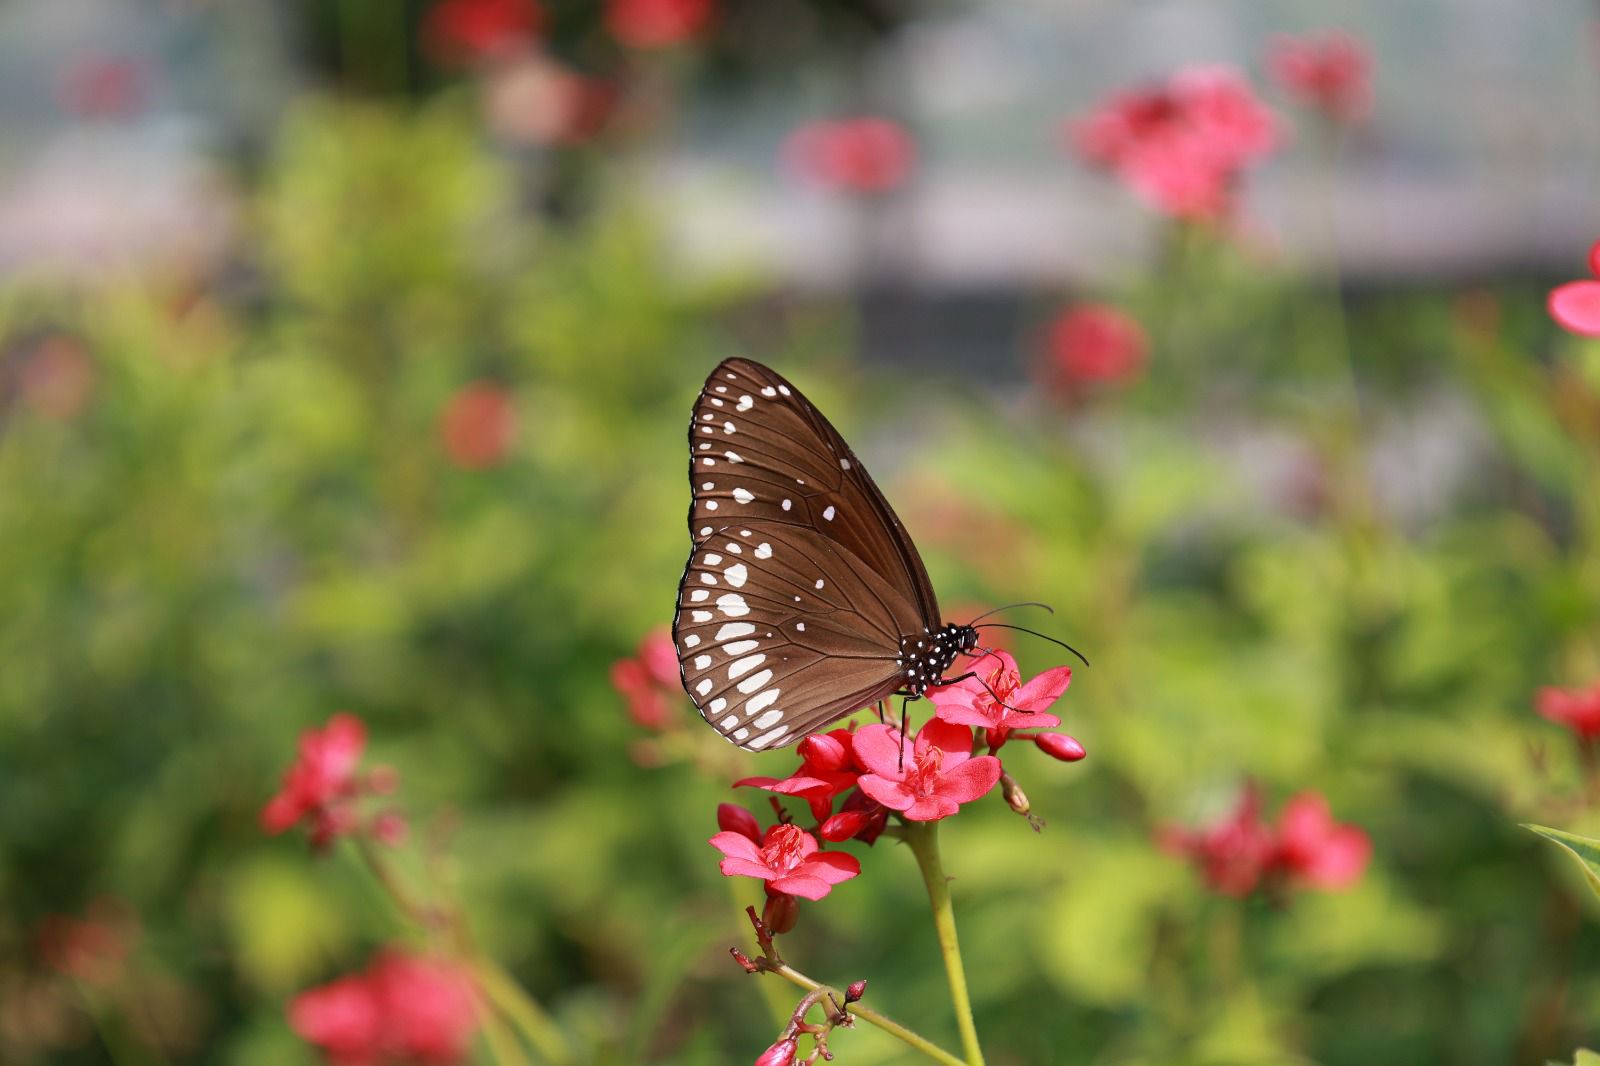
column 780, row 1054
column 856, row 990
column 732, row 818
column 824, row 753
column 781, row 913
column 1059, row 746
column 843, row 825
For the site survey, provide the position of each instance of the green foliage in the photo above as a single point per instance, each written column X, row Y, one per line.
column 1585, row 851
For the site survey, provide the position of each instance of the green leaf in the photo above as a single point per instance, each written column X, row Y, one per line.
column 1584, row 1057
column 1583, row 849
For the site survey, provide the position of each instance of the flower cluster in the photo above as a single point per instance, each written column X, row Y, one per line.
column 323, row 787
column 855, row 155
column 1243, row 852
column 1330, row 73
column 651, row 24
column 404, row 1009
column 650, row 681
column 1576, row 708
column 1092, row 343
column 1576, row 305
column 1182, row 146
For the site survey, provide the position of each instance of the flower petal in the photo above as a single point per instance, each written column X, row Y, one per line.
column 1042, row 691
column 788, row 786
column 1594, row 259
column 877, row 747
column 965, row 714
column 830, row 866
column 799, row 885
column 892, row 794
column 954, row 739
column 971, row 779
column 1576, row 306
column 932, row 808
column 736, row 846
column 746, row 868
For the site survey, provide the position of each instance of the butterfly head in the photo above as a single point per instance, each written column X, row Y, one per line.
column 925, row 659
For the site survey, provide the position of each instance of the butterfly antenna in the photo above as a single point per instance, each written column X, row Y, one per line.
column 1041, row 636
column 1007, row 607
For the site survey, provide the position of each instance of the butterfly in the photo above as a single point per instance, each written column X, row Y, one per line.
column 804, row 598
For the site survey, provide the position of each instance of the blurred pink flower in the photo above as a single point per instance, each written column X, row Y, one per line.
column 787, row 858
column 1330, row 72
column 103, row 86
column 404, row 1009
column 1576, row 708
column 649, row 681
column 1093, row 343
column 1576, row 305
column 464, row 31
column 1234, row 853
column 997, row 701
column 322, row 782
column 1316, row 850
column 649, row 24
column 934, row 774
column 478, row 425
column 534, row 99
column 858, row 155
column 1183, row 146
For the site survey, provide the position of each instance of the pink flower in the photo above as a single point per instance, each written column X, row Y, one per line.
column 1576, row 305
column 403, row 1009
column 1183, row 146
column 858, row 155
column 1330, row 72
column 860, row 818
column 533, row 98
column 827, row 768
column 657, row 23
column 1576, row 708
column 997, row 701
column 1060, row 746
column 1315, row 849
column 780, row 1054
column 788, row 859
column 650, row 680
column 477, row 426
column 938, row 775
column 1233, row 854
column 1093, row 342
column 461, row 31
column 322, row 783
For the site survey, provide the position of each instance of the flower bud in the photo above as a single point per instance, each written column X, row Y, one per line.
column 780, row 1054
column 1015, row 797
column 1059, row 746
column 744, row 960
column 844, row 825
column 856, row 990
column 781, row 913
column 735, row 819
column 824, row 753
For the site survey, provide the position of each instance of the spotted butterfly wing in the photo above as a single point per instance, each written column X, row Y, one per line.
column 803, row 598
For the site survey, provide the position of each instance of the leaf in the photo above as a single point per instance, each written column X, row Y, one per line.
column 1585, row 850
column 1584, row 1057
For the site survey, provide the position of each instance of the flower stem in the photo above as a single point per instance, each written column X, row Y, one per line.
column 524, row 1012
column 872, row 1017
column 924, row 840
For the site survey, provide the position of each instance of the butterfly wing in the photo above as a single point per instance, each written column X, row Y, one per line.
column 802, row 581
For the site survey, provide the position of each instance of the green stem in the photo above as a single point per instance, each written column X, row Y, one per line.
column 924, row 840
column 530, row 1019
column 872, row 1017
column 502, row 1045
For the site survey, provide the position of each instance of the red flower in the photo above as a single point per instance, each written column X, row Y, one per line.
column 478, row 425
column 1233, row 854
column 1576, row 708
column 788, row 859
column 1093, row 342
column 535, row 99
column 650, row 681
column 1330, row 72
column 657, row 23
column 827, row 768
column 780, row 1054
column 860, row 818
column 938, row 775
column 103, row 86
column 461, row 31
column 1060, row 746
column 1315, row 849
column 1006, row 703
column 1576, row 305
column 403, row 1009
column 861, row 155
column 322, row 783
column 1182, row 146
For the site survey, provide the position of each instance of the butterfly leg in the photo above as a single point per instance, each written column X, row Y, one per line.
column 904, row 703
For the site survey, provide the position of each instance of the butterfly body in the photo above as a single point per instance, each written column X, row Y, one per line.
column 804, row 598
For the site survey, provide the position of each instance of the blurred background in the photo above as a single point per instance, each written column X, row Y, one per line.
column 346, row 348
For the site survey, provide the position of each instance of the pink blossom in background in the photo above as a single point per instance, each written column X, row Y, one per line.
column 649, row 681
column 647, row 24
column 478, row 425
column 997, row 701
column 404, row 1010
column 464, row 31
column 535, row 99
column 322, row 783
column 1576, row 708
column 1233, row 854
column 931, row 777
column 103, row 86
column 1576, row 305
column 1329, row 72
column 1093, row 343
column 1182, row 147
column 787, row 858
column 858, row 155
column 1316, row 850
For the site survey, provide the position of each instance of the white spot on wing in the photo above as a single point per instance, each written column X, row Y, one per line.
column 819, row 582
column 708, row 579
column 744, row 666
column 705, row 531
column 771, row 718
column 702, row 661
column 799, row 627
column 727, row 427
column 730, row 630
column 844, row 464
column 763, row 550
column 699, row 596
column 702, row 616
column 755, row 681
column 769, row 391
column 732, row 604
column 743, row 495
column 712, row 558
column 745, row 403
column 740, row 734
column 734, row 457
column 704, row 686
column 717, row 704
column 757, row 743
column 787, row 504
column 828, row 513
column 739, row 647
column 784, row 389
column 691, row 640
column 760, row 700
column 730, row 721
column 736, row 575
